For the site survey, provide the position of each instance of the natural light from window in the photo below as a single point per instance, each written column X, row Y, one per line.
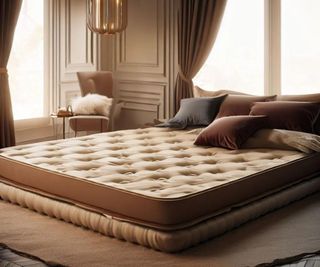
column 300, row 46
column 236, row 61
column 26, row 62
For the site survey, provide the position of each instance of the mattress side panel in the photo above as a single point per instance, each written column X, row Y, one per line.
column 159, row 213
column 108, row 200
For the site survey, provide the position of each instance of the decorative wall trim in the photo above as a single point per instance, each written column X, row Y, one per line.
column 156, row 63
column 143, row 96
column 78, row 43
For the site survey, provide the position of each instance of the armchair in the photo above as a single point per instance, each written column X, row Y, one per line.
column 98, row 82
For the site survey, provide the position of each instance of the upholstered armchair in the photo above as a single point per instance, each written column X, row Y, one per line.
column 96, row 82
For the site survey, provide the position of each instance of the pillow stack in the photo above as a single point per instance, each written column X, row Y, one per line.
column 240, row 116
column 233, row 125
column 232, row 117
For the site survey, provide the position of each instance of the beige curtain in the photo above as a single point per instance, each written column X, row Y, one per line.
column 9, row 12
column 198, row 25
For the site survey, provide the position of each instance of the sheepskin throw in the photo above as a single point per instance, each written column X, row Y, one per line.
column 92, row 104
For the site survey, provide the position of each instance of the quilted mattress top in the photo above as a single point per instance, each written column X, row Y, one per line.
column 154, row 162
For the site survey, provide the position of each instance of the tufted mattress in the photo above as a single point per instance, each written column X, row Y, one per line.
column 153, row 177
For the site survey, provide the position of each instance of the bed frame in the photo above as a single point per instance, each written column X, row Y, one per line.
column 173, row 241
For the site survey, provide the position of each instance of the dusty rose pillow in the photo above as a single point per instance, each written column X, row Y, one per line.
column 288, row 115
column 230, row 132
column 240, row 104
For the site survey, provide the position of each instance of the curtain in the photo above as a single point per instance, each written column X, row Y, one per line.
column 198, row 25
column 9, row 12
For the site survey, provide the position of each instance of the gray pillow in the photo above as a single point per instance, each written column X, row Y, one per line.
column 195, row 112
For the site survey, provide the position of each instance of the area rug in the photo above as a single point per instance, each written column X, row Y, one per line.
column 292, row 230
column 302, row 260
column 10, row 257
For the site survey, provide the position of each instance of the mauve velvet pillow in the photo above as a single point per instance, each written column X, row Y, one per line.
column 230, row 132
column 288, row 115
column 195, row 112
column 304, row 98
column 240, row 104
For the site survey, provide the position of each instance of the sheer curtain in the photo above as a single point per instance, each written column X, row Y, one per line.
column 9, row 12
column 198, row 25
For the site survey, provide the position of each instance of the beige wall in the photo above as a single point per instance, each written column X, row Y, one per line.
column 76, row 49
column 142, row 58
column 143, row 61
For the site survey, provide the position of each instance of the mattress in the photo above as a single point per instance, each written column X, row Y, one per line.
column 152, row 177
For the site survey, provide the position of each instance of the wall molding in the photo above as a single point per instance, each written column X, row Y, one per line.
column 143, row 96
column 156, row 64
column 143, row 60
column 78, row 45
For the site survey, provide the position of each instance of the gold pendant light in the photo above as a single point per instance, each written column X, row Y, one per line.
column 107, row 16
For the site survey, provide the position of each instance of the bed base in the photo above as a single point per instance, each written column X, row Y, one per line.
column 173, row 241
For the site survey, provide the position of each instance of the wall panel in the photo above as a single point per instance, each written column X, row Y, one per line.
column 140, row 49
column 142, row 61
column 78, row 48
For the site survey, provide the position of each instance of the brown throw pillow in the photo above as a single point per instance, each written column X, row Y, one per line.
column 304, row 98
column 240, row 104
column 288, row 115
column 230, row 132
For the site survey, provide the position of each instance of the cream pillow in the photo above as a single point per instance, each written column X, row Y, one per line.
column 198, row 92
column 92, row 104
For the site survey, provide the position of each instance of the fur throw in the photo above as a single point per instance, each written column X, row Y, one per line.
column 92, row 104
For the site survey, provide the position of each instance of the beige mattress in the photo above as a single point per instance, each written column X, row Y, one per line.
column 154, row 177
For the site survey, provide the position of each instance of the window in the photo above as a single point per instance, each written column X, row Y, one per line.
column 262, row 48
column 236, row 60
column 26, row 62
column 300, row 46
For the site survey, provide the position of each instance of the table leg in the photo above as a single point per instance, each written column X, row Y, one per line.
column 64, row 128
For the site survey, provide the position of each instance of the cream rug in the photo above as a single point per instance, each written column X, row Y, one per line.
column 287, row 232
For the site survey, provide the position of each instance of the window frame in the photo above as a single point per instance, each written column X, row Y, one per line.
column 272, row 47
column 38, row 122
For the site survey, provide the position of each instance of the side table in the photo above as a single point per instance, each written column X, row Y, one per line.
column 63, row 117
